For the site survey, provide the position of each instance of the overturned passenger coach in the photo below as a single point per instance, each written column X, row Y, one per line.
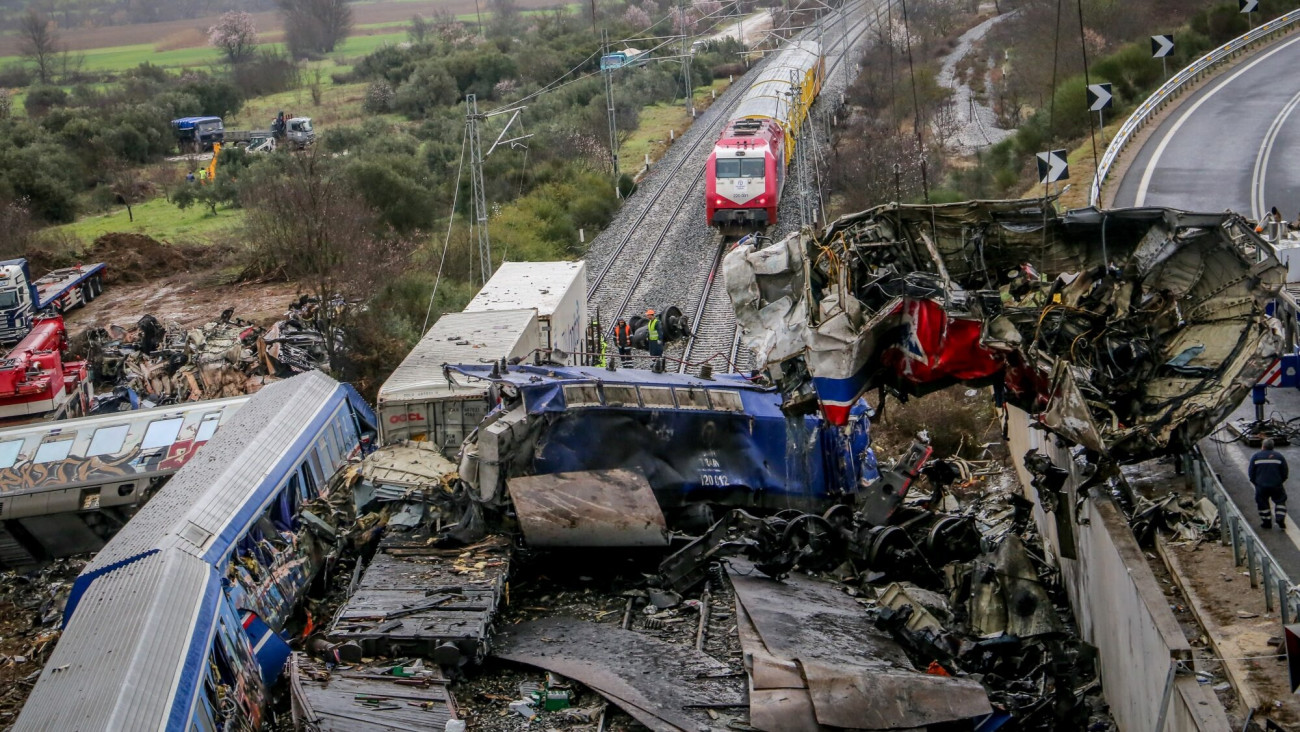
column 1131, row 332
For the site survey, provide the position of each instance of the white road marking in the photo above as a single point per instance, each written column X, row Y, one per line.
column 1252, row 514
column 1257, row 197
column 1150, row 170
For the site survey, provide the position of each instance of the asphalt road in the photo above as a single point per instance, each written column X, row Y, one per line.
column 1233, row 144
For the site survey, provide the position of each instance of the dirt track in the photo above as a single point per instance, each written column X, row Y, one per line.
column 268, row 24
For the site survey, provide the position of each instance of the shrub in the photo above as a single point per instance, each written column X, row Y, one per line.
column 379, row 97
column 41, row 99
column 429, row 87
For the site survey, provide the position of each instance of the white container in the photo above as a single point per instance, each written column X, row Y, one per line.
column 556, row 290
column 418, row 403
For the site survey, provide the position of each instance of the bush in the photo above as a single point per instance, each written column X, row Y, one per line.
column 268, row 72
column 428, row 88
column 379, row 97
column 15, row 76
column 393, row 186
column 216, row 97
column 41, row 99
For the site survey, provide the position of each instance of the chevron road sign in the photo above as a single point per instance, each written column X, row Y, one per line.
column 1161, row 46
column 1248, row 6
column 1052, row 166
column 1099, row 97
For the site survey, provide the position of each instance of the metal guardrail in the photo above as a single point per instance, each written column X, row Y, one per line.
column 1176, row 85
column 1263, row 568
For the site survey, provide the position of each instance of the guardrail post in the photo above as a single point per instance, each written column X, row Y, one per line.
column 1268, row 585
column 1236, row 542
column 1225, row 530
column 1249, row 546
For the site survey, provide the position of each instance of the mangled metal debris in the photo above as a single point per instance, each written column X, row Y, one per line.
column 166, row 364
column 664, row 686
column 1131, row 332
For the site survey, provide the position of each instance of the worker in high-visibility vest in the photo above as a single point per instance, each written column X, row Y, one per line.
column 623, row 339
column 654, row 335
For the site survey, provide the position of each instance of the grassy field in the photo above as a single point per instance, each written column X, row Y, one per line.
column 651, row 135
column 159, row 219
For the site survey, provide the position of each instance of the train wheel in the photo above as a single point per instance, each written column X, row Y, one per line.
column 96, row 286
column 86, row 295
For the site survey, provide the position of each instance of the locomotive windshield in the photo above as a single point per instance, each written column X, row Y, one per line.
column 740, row 167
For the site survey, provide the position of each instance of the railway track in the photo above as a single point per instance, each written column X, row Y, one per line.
column 715, row 335
column 665, row 265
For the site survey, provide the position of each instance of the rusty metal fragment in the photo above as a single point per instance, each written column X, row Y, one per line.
column 588, row 508
column 663, row 685
column 849, row 673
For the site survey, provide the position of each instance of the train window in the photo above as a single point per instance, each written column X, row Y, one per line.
column 728, row 167
column 309, row 481
column 726, row 400
column 581, row 395
column 208, row 427
column 657, row 396
column 107, row 440
column 48, row 452
column 621, row 396
column 752, row 168
column 161, row 433
column 692, row 399
column 9, row 453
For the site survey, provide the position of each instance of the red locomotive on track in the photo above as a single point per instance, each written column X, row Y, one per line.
column 746, row 171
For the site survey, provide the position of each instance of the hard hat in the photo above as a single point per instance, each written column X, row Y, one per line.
column 621, row 320
column 650, row 311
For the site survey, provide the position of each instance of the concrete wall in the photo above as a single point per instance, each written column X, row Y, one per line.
column 1118, row 604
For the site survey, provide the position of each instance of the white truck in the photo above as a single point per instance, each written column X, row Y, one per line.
column 417, row 402
column 556, row 290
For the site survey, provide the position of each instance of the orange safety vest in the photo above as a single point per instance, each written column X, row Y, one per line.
column 623, row 335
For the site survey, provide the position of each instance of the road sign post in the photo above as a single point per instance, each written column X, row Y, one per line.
column 1249, row 7
column 1100, row 98
column 1162, row 46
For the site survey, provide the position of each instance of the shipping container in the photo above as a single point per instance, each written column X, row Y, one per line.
column 418, row 403
column 556, row 290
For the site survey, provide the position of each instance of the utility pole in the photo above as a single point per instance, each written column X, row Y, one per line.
column 610, row 117
column 479, row 204
column 686, row 63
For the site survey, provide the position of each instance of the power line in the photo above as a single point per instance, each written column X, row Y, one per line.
column 451, row 220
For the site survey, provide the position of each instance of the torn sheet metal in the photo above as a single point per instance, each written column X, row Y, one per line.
column 663, row 685
column 854, row 674
column 1133, row 332
column 722, row 440
column 588, row 508
column 367, row 699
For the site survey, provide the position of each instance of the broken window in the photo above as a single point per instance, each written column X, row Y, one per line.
column 9, row 453
column 161, row 433
column 726, row 400
column 52, row 451
column 618, row 395
column 581, row 395
column 107, row 440
column 692, row 399
column 208, row 427
column 657, row 396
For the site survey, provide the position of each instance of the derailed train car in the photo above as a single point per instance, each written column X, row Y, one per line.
column 1131, row 332
column 721, row 441
column 175, row 624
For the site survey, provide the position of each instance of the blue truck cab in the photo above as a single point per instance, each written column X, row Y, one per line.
column 198, row 132
column 21, row 296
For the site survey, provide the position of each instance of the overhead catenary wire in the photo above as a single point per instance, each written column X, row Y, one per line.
column 451, row 221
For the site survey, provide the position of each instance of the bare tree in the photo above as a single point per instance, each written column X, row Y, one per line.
column 315, row 26
column 311, row 226
column 419, row 30
column 128, row 186
column 235, row 35
column 40, row 43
